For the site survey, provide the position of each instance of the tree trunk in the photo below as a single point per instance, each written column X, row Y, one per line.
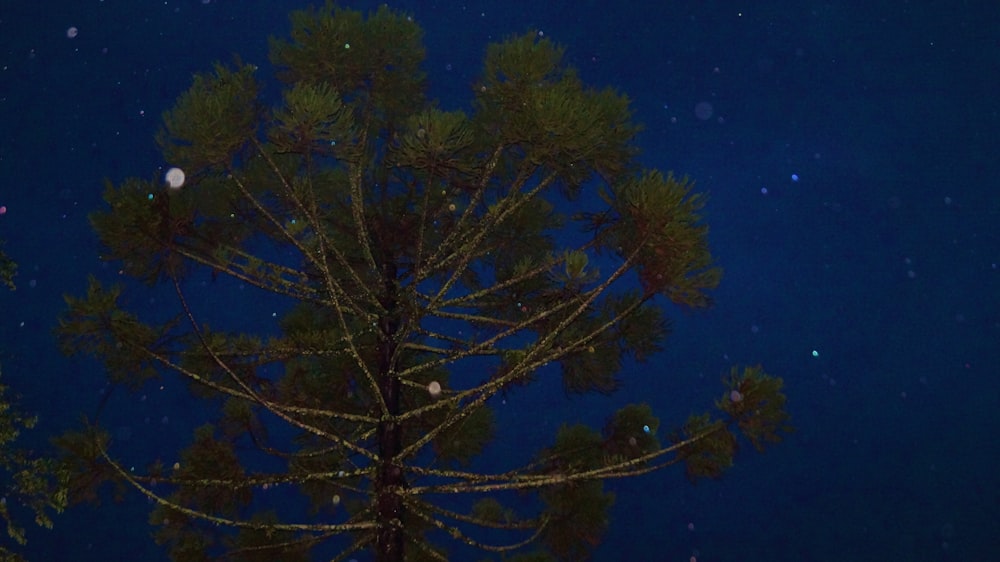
column 389, row 539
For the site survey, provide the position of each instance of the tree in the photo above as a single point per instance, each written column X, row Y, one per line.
column 8, row 269
column 30, row 484
column 429, row 269
column 33, row 486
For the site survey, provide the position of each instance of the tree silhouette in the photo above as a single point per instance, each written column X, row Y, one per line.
column 31, row 485
column 429, row 268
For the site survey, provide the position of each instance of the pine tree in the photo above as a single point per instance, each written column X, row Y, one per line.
column 31, row 485
column 430, row 266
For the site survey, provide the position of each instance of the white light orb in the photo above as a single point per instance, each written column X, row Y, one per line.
column 175, row 178
column 434, row 389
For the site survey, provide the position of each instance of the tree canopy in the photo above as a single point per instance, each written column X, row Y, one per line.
column 430, row 261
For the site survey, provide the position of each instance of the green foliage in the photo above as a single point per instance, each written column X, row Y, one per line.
column 753, row 403
column 8, row 269
column 577, row 448
column 660, row 226
column 313, row 117
column 425, row 268
column 32, row 486
column 85, row 464
column 631, row 433
column 708, row 447
column 213, row 120
column 528, row 99
column 756, row 404
column 578, row 518
column 374, row 60
column 95, row 325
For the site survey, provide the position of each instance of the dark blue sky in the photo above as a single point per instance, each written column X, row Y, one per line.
column 871, row 283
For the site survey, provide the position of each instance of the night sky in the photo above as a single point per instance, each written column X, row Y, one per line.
column 850, row 154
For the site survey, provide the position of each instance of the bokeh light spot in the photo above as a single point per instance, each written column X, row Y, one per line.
column 175, row 178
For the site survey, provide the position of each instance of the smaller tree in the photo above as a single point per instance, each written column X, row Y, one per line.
column 30, row 485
